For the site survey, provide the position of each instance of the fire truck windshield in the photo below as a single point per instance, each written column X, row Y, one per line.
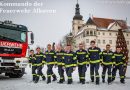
column 12, row 35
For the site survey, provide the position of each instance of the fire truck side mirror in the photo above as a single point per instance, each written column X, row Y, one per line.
column 32, row 38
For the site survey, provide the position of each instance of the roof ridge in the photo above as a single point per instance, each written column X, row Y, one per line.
column 104, row 18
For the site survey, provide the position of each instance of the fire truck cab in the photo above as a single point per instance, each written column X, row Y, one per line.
column 13, row 48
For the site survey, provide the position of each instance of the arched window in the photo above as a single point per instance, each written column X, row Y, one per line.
column 87, row 33
column 91, row 33
column 78, row 27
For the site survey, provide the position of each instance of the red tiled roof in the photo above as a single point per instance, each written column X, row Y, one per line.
column 105, row 22
column 122, row 23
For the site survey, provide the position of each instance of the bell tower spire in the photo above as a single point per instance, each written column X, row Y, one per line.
column 77, row 20
column 77, row 12
column 77, row 9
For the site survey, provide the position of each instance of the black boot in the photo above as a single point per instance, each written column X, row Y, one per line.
column 61, row 81
column 109, row 80
column 69, row 81
column 83, row 81
column 97, row 81
column 43, row 78
column 36, row 79
column 48, row 80
column 54, row 77
column 122, row 81
column 92, row 79
column 103, row 80
column 113, row 79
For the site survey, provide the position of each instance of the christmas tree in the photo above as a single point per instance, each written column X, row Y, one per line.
column 122, row 43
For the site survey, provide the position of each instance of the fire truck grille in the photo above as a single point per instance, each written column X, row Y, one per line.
column 5, row 50
column 7, row 64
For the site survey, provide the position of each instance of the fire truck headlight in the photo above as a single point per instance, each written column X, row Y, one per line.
column 18, row 61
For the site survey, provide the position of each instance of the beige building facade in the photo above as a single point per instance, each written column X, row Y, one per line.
column 102, row 30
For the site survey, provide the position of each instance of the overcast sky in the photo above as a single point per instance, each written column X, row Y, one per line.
column 50, row 28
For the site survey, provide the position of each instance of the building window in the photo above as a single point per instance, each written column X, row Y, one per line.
column 110, row 34
column 91, row 33
column 87, row 40
column 94, row 32
column 99, row 41
column 98, row 33
column 78, row 28
column 104, row 42
column 103, row 33
column 127, row 42
column 84, row 35
column 110, row 41
column 87, row 32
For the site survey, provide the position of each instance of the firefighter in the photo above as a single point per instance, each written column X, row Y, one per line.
column 32, row 62
column 50, row 58
column 95, row 59
column 59, row 59
column 119, row 63
column 107, row 62
column 83, row 62
column 70, row 63
column 40, row 61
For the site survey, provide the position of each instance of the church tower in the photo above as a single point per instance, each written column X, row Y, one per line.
column 77, row 22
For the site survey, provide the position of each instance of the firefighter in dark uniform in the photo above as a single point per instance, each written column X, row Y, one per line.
column 107, row 62
column 50, row 58
column 32, row 62
column 59, row 60
column 40, row 61
column 83, row 62
column 119, row 63
column 95, row 59
column 70, row 63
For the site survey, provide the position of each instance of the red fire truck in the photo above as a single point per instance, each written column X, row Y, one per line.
column 13, row 48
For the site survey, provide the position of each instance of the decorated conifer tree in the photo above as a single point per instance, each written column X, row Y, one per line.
column 122, row 43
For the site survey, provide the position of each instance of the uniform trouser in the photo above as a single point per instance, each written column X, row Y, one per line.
column 50, row 70
column 61, row 72
column 121, row 72
column 82, row 70
column 94, row 67
column 39, row 72
column 69, row 71
column 105, row 68
column 34, row 72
